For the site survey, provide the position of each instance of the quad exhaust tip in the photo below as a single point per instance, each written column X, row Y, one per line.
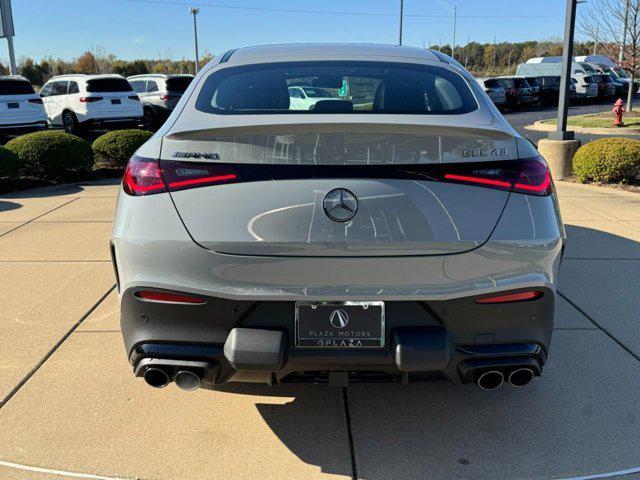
column 520, row 377
column 156, row 377
column 490, row 380
column 188, row 380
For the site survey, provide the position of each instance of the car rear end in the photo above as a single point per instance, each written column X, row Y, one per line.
column 108, row 102
column 495, row 91
column 416, row 238
column 21, row 108
column 536, row 85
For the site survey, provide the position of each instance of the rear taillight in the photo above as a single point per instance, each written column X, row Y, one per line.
column 169, row 97
column 90, row 99
column 134, row 97
column 35, row 100
column 530, row 176
column 512, row 297
column 144, row 176
column 165, row 297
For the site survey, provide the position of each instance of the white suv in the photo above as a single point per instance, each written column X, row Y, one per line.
column 21, row 108
column 159, row 94
column 81, row 102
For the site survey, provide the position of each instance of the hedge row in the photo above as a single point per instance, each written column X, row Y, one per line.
column 57, row 155
column 608, row 160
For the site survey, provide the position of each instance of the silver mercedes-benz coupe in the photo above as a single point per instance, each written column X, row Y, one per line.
column 396, row 228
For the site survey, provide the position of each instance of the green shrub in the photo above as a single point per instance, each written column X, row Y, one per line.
column 51, row 154
column 608, row 160
column 9, row 163
column 114, row 149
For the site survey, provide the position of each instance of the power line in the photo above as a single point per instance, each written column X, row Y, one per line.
column 323, row 12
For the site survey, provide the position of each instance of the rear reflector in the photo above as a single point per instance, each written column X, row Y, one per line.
column 512, row 297
column 163, row 297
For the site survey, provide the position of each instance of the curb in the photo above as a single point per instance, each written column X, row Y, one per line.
column 546, row 127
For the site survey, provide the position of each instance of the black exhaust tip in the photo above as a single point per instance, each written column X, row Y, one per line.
column 156, row 377
column 490, row 380
column 188, row 380
column 521, row 377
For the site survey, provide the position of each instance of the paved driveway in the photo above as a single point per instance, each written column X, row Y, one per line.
column 69, row 405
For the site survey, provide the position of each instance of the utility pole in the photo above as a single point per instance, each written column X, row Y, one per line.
column 194, row 11
column 6, row 31
column 453, row 45
column 466, row 51
column 567, row 59
column 454, row 10
column 495, row 51
column 400, row 28
column 624, row 31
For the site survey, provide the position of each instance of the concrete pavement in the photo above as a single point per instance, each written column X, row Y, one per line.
column 69, row 404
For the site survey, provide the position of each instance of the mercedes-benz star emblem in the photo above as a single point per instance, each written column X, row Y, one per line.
column 339, row 318
column 340, row 205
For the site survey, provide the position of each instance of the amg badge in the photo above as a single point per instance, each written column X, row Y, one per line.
column 205, row 155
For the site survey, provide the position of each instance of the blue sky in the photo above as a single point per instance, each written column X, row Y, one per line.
column 151, row 28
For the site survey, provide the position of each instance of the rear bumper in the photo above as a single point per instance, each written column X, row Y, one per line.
column 18, row 128
column 108, row 123
column 423, row 340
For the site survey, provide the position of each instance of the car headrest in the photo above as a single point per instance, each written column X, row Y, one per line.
column 333, row 106
column 253, row 91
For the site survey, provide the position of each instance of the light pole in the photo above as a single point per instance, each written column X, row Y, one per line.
column 561, row 132
column 6, row 31
column 400, row 29
column 454, row 9
column 194, row 11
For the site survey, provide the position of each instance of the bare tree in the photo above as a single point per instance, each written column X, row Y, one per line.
column 615, row 26
column 103, row 60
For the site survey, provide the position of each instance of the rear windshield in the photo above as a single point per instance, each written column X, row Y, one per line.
column 105, row 85
column 15, row 87
column 336, row 87
column 178, row 84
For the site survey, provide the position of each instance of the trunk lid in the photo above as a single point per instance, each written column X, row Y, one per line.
column 278, row 204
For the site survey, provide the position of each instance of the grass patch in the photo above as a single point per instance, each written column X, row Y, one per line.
column 601, row 120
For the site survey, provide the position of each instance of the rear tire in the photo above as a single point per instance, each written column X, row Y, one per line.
column 150, row 120
column 70, row 123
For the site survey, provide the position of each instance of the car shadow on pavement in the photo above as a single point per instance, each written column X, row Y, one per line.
column 442, row 430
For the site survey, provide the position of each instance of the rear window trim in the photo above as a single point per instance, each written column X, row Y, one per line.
column 202, row 101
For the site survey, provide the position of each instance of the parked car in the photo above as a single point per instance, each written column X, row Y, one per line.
column 305, row 97
column 494, row 89
column 21, row 108
column 606, row 86
column 82, row 102
column 536, row 87
column 517, row 91
column 159, row 94
column 415, row 238
column 549, row 90
column 586, row 86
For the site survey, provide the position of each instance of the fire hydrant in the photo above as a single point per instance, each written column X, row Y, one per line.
column 618, row 112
